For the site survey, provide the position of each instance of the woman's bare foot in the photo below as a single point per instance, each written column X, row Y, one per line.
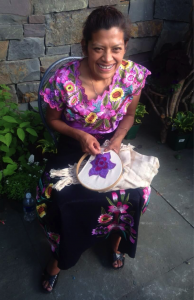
column 115, row 241
column 52, row 269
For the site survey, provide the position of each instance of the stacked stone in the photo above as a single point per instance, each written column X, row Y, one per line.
column 36, row 33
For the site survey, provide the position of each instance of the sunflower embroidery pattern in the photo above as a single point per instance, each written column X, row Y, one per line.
column 117, row 218
column 41, row 210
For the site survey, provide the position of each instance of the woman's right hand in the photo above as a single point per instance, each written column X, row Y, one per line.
column 89, row 144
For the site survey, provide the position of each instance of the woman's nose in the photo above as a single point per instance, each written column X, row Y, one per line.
column 107, row 56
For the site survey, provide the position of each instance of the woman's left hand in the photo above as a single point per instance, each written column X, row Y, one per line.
column 115, row 145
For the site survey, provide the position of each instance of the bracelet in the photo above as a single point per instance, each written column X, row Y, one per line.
column 123, row 128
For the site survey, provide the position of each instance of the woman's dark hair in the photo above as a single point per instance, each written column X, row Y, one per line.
column 105, row 17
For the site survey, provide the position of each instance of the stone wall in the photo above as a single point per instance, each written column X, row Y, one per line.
column 35, row 33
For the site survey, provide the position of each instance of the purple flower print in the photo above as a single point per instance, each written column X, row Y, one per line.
column 100, row 230
column 131, row 239
column 120, row 208
column 115, row 226
column 127, row 219
column 84, row 108
column 106, row 112
column 101, row 165
column 128, row 80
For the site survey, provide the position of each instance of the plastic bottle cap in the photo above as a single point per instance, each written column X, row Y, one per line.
column 28, row 195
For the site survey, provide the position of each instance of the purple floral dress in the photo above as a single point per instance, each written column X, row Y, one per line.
column 75, row 218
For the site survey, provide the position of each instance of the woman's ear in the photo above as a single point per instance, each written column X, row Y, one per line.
column 84, row 48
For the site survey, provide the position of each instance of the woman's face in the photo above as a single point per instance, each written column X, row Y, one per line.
column 105, row 52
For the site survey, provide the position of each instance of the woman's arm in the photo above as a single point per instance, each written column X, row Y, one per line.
column 88, row 143
column 124, row 126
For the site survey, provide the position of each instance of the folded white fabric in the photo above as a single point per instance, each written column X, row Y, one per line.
column 138, row 170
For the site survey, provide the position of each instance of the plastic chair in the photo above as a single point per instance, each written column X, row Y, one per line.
column 43, row 105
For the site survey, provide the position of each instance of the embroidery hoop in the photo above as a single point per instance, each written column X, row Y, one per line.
column 108, row 187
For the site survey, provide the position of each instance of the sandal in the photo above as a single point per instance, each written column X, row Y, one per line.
column 52, row 279
column 118, row 256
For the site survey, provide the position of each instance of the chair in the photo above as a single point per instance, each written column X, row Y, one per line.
column 43, row 105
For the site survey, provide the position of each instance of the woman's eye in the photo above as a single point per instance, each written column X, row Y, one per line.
column 97, row 49
column 117, row 49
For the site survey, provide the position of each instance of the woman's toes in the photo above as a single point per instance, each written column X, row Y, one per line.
column 49, row 288
column 45, row 284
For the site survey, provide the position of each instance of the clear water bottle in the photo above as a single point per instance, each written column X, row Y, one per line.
column 29, row 207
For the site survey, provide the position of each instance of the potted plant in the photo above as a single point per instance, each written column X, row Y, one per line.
column 139, row 114
column 182, row 127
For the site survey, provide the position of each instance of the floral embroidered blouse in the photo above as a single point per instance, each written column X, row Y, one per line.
column 64, row 91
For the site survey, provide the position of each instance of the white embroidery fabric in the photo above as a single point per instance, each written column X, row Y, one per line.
column 138, row 170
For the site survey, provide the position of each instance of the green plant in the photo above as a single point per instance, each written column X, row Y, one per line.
column 47, row 144
column 19, row 130
column 25, row 179
column 139, row 113
column 183, row 122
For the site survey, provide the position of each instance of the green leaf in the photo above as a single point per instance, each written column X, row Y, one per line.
column 13, row 105
column 127, row 199
column 8, row 160
column 7, row 172
column 1, row 176
column 4, row 148
column 103, row 211
column 4, row 111
column 31, row 131
column 2, row 104
column 113, row 119
column 4, row 131
column 72, row 77
column 72, row 68
column 110, row 202
column 122, row 74
column 9, row 119
column 2, row 139
column 105, row 100
column 98, row 124
column 80, row 97
column 8, row 139
column 24, row 124
column 11, row 151
column 115, row 105
column 21, row 134
column 12, row 167
column 107, row 123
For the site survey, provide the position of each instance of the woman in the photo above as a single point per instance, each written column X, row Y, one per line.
column 90, row 101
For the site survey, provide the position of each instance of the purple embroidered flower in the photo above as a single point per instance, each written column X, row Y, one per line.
column 131, row 239
column 101, row 165
column 127, row 219
column 115, row 226
column 100, row 230
column 120, row 208
column 106, row 112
